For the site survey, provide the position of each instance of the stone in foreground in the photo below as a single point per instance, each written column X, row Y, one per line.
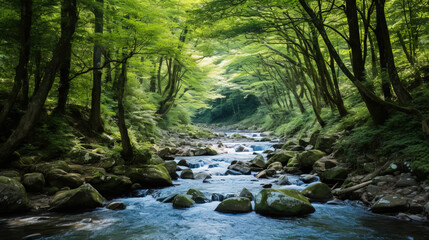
column 81, row 198
column 282, row 203
column 182, row 201
column 235, row 205
column 13, row 197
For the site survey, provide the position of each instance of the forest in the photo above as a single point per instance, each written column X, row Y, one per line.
column 246, row 111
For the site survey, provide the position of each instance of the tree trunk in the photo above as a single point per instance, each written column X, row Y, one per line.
column 36, row 104
column 95, row 120
column 21, row 72
column 383, row 40
column 127, row 150
column 38, row 71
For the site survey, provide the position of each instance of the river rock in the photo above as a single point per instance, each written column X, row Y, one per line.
column 281, row 157
column 258, row 161
column 33, row 182
column 307, row 159
column 59, row 178
column 235, row 205
column 81, row 198
column 46, row 167
column 116, row 206
column 282, row 202
column 240, row 167
column 333, row 175
column 183, row 163
column 187, row 174
column 13, row 198
column 283, row 180
column 217, row 197
column 325, row 143
column 11, row 174
column 406, row 182
column 232, row 172
column 182, row 201
column 197, row 196
column 390, row 204
column 290, row 144
column 111, row 185
column 266, row 173
column 277, row 166
column 171, row 167
column 318, row 192
column 308, row 178
column 150, row 176
column 203, row 175
column 167, row 152
column 246, row 193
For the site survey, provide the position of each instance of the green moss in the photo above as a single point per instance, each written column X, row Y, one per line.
column 235, row 205
column 318, row 192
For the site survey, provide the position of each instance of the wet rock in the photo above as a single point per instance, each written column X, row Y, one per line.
column 243, row 169
column 59, row 178
column 32, row 236
column 282, row 202
column 168, row 199
column 258, row 161
column 111, row 185
column 116, row 206
column 305, row 160
column 336, row 202
column 385, row 178
column 33, row 182
column 13, row 198
column 182, row 201
column 406, row 182
column 333, row 175
column 11, row 174
column 292, row 170
column 246, row 193
column 150, row 176
column 187, row 174
column 235, row 205
column 197, row 196
column 183, row 163
column 167, row 152
column 203, row 175
column 318, row 192
column 281, row 157
column 266, row 173
column 283, row 180
column 232, row 172
column 81, row 198
column 214, row 165
column 171, row 167
column 269, row 185
column 275, row 166
column 217, row 197
column 308, row 178
column 390, row 204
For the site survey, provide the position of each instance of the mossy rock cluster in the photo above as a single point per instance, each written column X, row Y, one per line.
column 13, row 196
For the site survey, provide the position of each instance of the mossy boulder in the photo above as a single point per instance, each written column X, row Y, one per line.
column 289, row 145
column 111, row 185
column 150, row 176
column 155, row 160
column 325, row 143
column 59, row 178
column 119, row 170
column 293, row 162
column 275, row 166
column 82, row 198
column 85, row 156
column 33, row 182
column 258, row 161
column 318, row 192
column 171, row 167
column 246, row 193
column 11, row 174
column 282, row 202
column 187, row 174
column 13, row 198
column 197, row 195
column 266, row 173
column 334, row 175
column 235, row 205
column 210, row 151
column 308, row 158
column 182, row 201
column 390, row 204
column 282, row 157
column 48, row 166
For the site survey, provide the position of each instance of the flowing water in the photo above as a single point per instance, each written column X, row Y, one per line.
column 147, row 218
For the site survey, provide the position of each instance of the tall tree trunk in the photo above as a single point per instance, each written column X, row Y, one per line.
column 36, row 104
column 95, row 120
column 38, row 70
column 21, row 72
column 127, row 150
column 152, row 87
column 383, row 39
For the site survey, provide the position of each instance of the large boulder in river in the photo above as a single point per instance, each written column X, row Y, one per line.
column 33, row 182
column 13, row 197
column 187, row 174
column 282, row 202
column 150, row 176
column 308, row 158
column 318, row 192
column 258, row 161
column 59, row 178
column 240, row 167
column 281, row 157
column 171, row 167
column 390, row 204
column 182, row 201
column 81, row 198
column 197, row 195
column 246, row 193
column 235, row 205
column 334, row 175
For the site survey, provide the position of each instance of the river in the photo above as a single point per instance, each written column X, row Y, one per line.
column 147, row 218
